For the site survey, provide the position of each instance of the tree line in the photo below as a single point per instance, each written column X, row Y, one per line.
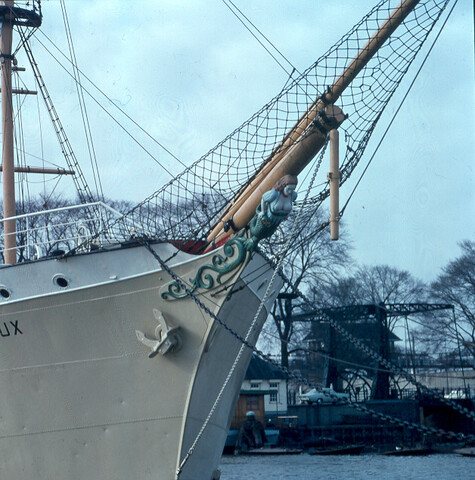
column 325, row 272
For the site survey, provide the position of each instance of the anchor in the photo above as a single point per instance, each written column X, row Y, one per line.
column 168, row 338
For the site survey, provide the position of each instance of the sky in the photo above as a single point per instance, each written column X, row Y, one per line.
column 190, row 73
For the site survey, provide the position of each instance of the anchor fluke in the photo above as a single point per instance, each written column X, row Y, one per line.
column 168, row 338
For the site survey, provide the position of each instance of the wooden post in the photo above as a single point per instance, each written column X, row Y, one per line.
column 334, row 179
column 293, row 160
column 9, row 209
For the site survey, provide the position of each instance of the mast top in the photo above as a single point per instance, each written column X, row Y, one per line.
column 26, row 13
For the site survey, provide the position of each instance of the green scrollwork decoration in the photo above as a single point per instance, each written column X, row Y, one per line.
column 221, row 265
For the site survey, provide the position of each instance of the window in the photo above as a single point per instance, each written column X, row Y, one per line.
column 252, row 403
column 255, row 385
column 273, row 397
column 273, row 385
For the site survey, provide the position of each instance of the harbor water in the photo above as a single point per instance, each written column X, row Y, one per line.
column 367, row 466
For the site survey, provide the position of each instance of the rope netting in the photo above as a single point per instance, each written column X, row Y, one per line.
column 190, row 204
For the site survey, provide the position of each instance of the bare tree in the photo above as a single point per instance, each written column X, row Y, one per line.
column 56, row 229
column 313, row 259
column 35, row 229
column 372, row 285
column 455, row 285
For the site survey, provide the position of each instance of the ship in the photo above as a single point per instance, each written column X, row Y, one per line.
column 125, row 336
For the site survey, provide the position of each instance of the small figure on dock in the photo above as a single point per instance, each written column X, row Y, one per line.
column 251, row 434
column 275, row 206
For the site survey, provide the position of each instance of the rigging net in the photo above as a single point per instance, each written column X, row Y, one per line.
column 188, row 206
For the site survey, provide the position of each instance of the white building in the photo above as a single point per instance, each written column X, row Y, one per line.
column 263, row 379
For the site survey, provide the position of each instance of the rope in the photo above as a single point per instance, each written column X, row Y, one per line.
column 114, row 104
column 251, row 326
column 293, row 375
column 120, row 125
column 82, row 103
column 255, row 140
column 398, row 109
column 459, row 349
column 103, row 108
column 376, row 356
column 79, row 180
column 235, row 9
column 206, row 186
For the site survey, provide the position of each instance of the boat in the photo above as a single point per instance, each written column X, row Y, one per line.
column 126, row 335
column 408, row 452
column 272, row 451
column 465, row 452
column 338, row 450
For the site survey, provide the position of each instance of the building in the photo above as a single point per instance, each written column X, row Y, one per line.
column 263, row 391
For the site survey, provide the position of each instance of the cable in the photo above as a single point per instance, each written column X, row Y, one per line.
column 252, row 325
column 111, row 102
column 82, row 104
column 42, row 158
column 173, row 176
column 398, row 109
column 110, row 115
column 459, row 349
column 262, row 35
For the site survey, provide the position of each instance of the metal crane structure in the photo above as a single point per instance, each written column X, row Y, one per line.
column 375, row 314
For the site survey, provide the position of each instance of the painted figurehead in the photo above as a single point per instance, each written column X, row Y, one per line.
column 275, row 206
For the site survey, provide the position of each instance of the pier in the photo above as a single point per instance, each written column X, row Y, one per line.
column 342, row 424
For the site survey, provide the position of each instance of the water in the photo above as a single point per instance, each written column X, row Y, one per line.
column 362, row 467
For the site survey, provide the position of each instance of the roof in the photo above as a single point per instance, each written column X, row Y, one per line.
column 261, row 370
column 256, row 392
column 364, row 330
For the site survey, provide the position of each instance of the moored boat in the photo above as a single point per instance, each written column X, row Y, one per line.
column 466, row 452
column 337, row 450
column 273, row 451
column 408, row 452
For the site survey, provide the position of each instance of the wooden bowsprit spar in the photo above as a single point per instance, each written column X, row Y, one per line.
column 307, row 137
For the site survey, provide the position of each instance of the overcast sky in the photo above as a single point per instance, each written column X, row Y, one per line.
column 190, row 73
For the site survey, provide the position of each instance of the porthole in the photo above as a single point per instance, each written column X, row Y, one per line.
column 61, row 281
column 4, row 292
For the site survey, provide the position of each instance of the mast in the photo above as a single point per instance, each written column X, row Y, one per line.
column 9, row 209
column 11, row 15
column 308, row 135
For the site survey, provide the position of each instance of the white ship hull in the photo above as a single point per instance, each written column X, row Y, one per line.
column 80, row 397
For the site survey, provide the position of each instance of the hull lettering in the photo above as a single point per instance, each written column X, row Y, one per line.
column 7, row 330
